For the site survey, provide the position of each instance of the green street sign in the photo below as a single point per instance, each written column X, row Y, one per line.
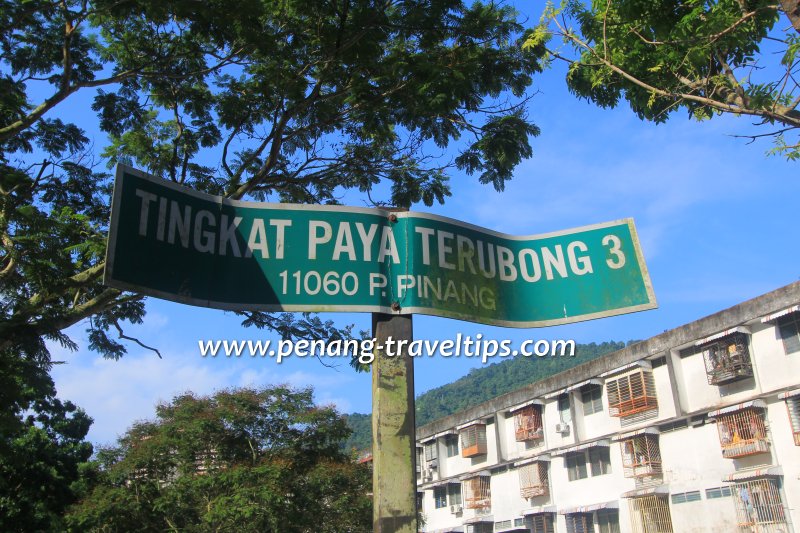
column 175, row 243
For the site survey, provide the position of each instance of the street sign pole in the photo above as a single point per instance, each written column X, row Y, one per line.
column 393, row 428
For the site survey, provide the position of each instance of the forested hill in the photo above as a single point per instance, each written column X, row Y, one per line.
column 482, row 384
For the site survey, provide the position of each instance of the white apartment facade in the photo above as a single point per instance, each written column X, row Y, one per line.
column 694, row 430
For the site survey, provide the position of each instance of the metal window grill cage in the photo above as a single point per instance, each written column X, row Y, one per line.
column 540, row 522
column 641, row 456
column 477, row 493
column 650, row 514
column 742, row 433
column 528, row 423
column 632, row 394
column 579, row 523
column 533, row 480
column 793, row 406
column 473, row 440
column 759, row 507
column 727, row 359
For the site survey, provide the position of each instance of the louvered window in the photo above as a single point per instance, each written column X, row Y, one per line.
column 473, row 440
column 533, row 479
column 793, row 405
column 632, row 394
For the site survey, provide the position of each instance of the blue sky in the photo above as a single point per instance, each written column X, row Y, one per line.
column 713, row 214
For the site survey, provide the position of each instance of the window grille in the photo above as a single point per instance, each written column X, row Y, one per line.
column 528, row 423
column 540, row 522
column 473, row 440
column 742, row 433
column 631, row 394
column 793, row 405
column 789, row 326
column 477, row 493
column 533, row 480
column 650, row 514
column 579, row 523
column 641, row 456
column 759, row 506
column 727, row 359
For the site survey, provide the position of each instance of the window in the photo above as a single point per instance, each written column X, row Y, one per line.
column 500, row 526
column 592, row 398
column 528, row 423
column 608, row 521
column 481, row 527
column 600, row 458
column 541, row 522
column 430, row 452
column 451, row 444
column 632, row 394
column 473, row 440
column 742, row 433
column 641, row 456
column 793, row 405
column 576, row 466
column 650, row 514
column 684, row 497
column 563, row 408
column 718, row 492
column 477, row 493
column 579, row 523
column 658, row 361
column 454, row 493
column 673, row 426
column 758, row 503
column 789, row 327
column 440, row 497
column 533, row 480
column 727, row 359
column 420, row 499
column 519, row 522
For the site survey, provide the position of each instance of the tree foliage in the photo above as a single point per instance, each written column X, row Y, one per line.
column 43, row 453
column 291, row 102
column 241, row 460
column 706, row 57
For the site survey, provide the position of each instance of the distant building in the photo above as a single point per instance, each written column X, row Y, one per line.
column 694, row 430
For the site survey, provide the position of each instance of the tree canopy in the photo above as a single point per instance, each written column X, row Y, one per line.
column 291, row 102
column 706, row 57
column 250, row 99
column 264, row 460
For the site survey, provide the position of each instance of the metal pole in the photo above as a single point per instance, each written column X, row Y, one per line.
column 393, row 428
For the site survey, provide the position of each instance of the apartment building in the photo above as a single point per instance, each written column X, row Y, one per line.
column 694, row 430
